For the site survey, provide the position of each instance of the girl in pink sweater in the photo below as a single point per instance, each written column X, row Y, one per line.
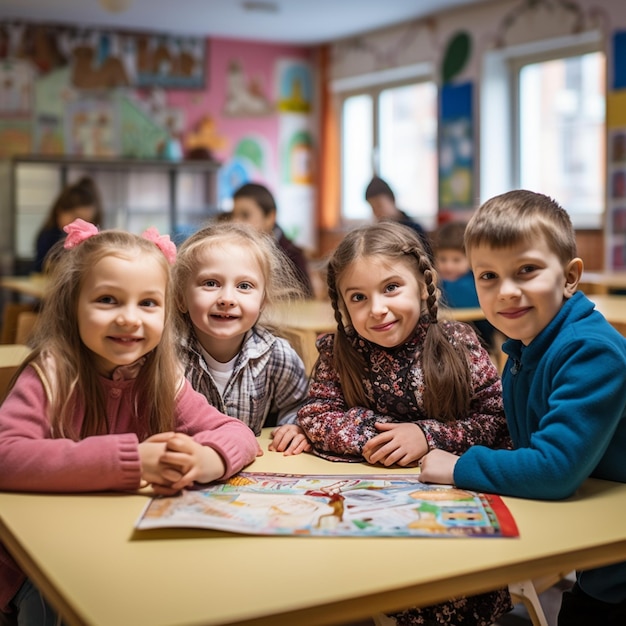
column 101, row 403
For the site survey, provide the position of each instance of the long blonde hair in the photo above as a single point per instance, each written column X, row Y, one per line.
column 447, row 377
column 281, row 282
column 67, row 364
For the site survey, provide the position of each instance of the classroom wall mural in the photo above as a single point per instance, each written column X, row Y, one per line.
column 95, row 93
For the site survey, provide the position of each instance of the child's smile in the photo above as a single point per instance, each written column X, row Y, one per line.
column 521, row 288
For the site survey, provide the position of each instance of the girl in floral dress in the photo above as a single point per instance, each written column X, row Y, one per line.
column 395, row 381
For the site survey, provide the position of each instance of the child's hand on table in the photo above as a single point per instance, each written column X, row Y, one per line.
column 398, row 444
column 289, row 439
column 438, row 467
column 172, row 461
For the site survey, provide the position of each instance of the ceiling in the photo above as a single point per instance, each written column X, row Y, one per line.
column 304, row 22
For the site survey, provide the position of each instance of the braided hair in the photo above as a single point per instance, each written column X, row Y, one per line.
column 447, row 376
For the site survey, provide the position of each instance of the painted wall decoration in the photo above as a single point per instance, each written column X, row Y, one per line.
column 77, row 91
column 101, row 59
column 250, row 161
column 456, row 148
column 15, row 137
column 456, row 131
column 295, row 90
column 245, row 95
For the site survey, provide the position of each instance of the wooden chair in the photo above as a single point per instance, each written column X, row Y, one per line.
column 10, row 315
column 527, row 592
column 26, row 321
column 303, row 342
column 11, row 357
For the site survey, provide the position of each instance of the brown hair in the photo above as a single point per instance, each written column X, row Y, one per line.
column 447, row 377
column 260, row 194
column 281, row 283
column 518, row 216
column 80, row 194
column 66, row 363
column 377, row 187
column 450, row 237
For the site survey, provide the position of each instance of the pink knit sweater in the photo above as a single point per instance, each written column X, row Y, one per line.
column 30, row 460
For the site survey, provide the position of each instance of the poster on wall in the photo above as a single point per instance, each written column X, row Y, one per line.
column 456, row 148
column 294, row 88
column 245, row 94
column 296, row 210
column 616, row 206
column 615, row 226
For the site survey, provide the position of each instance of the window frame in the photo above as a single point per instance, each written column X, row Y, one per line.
column 499, row 125
column 373, row 84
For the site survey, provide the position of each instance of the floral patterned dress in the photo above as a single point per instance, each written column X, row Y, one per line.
column 394, row 384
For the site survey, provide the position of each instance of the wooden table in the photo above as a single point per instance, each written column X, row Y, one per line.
column 613, row 307
column 602, row 282
column 83, row 552
column 33, row 285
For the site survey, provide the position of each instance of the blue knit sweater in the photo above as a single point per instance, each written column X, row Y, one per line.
column 565, row 404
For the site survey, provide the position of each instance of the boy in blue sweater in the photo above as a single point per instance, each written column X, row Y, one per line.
column 564, row 383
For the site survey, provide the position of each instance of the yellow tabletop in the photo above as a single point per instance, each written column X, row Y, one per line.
column 84, row 554
column 613, row 307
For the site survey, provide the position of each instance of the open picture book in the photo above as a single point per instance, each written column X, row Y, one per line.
column 378, row 505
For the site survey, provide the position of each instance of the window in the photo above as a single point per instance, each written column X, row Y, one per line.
column 542, row 124
column 391, row 129
column 561, row 144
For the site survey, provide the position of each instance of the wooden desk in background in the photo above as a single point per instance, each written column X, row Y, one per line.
column 33, row 285
column 84, row 554
column 613, row 307
column 602, row 282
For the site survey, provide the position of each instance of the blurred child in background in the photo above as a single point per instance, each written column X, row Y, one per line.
column 458, row 289
column 80, row 200
column 255, row 205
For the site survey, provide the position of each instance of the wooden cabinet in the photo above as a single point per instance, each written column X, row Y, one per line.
column 175, row 196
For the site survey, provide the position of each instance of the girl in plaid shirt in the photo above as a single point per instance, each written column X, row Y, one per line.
column 227, row 277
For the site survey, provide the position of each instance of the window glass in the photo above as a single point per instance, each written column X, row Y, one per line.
column 561, row 133
column 408, row 148
column 391, row 130
column 357, row 139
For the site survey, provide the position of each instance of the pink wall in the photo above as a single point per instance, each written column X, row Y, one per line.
column 258, row 61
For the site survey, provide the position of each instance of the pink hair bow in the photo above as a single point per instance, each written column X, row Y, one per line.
column 163, row 242
column 77, row 232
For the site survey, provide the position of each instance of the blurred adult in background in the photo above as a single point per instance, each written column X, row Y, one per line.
column 254, row 204
column 79, row 200
column 383, row 202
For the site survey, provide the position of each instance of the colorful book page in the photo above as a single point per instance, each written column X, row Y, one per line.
column 379, row 505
